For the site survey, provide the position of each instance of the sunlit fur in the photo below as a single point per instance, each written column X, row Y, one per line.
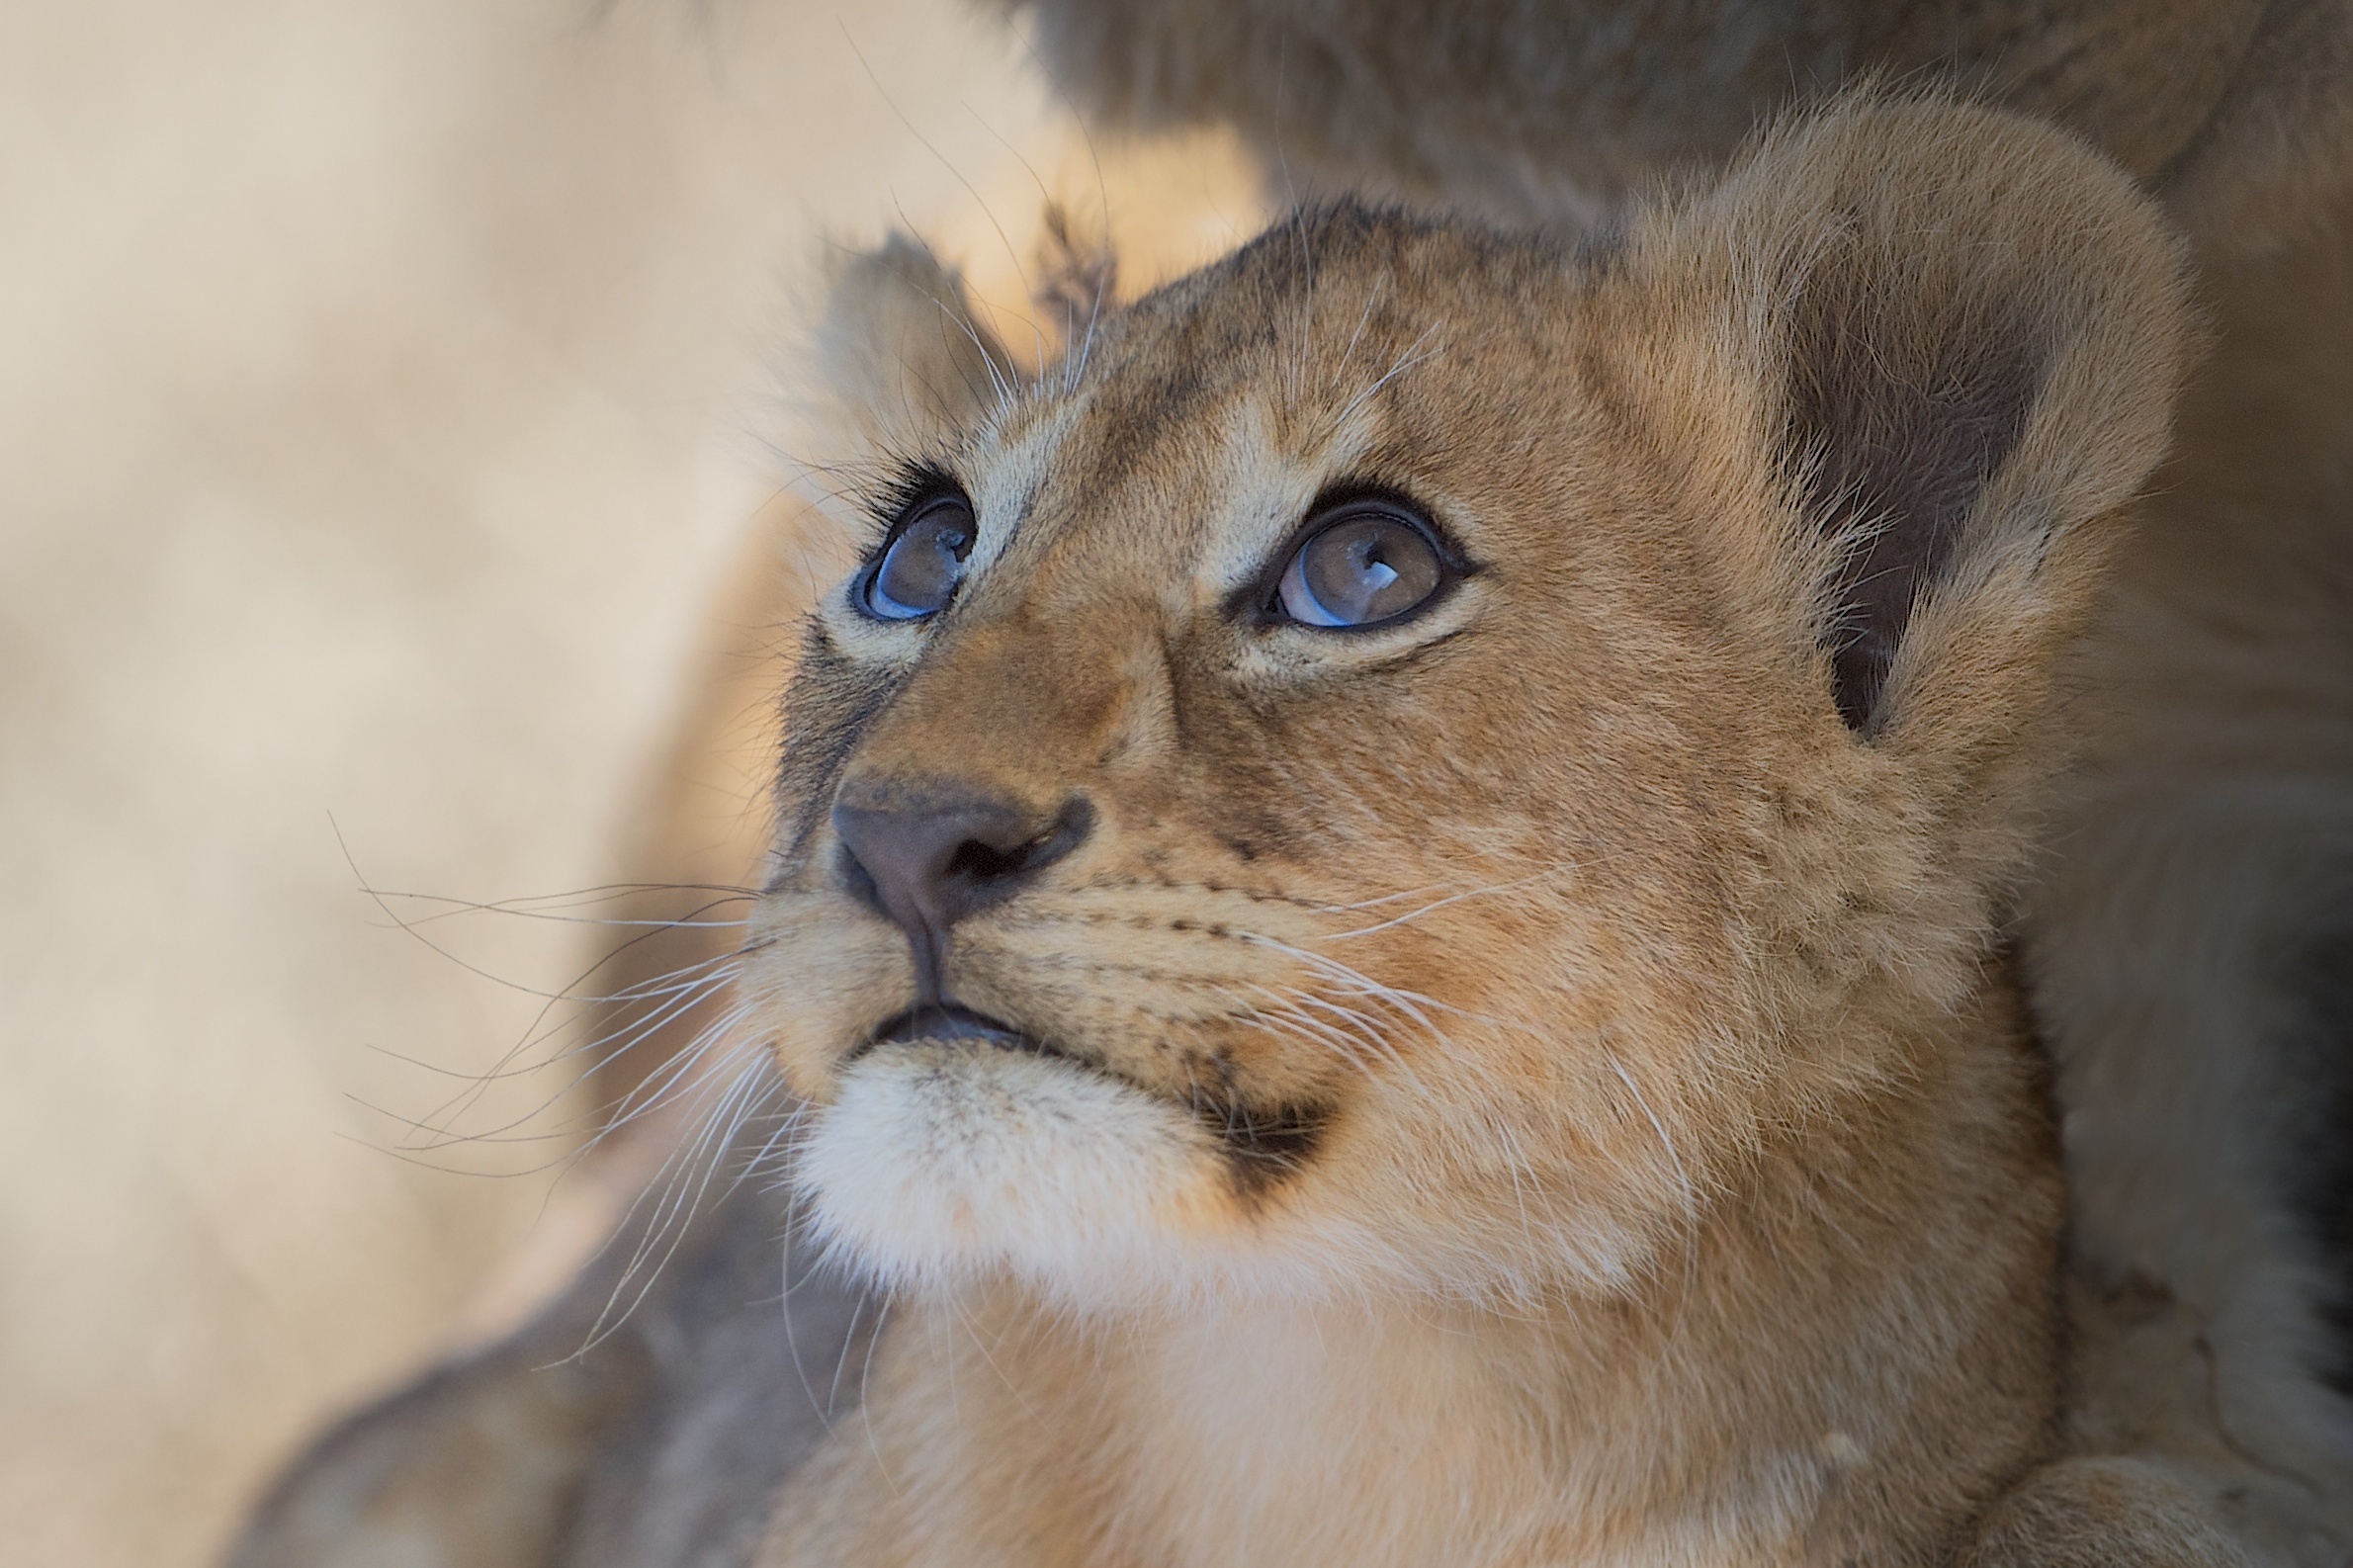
column 2188, row 934
column 2174, row 937
column 1662, row 1173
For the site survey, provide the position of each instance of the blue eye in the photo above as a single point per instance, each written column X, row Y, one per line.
column 1368, row 565
column 921, row 562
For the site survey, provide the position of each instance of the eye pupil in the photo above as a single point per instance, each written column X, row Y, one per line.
column 921, row 562
column 1366, row 565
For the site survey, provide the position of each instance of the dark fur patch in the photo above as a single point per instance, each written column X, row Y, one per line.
column 831, row 700
column 1898, row 419
column 1264, row 1145
column 2318, row 1142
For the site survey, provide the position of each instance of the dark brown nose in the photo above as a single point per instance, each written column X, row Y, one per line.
column 929, row 858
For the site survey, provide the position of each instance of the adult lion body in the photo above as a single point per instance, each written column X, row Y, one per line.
column 2176, row 931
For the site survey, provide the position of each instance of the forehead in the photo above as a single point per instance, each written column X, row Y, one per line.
column 1205, row 420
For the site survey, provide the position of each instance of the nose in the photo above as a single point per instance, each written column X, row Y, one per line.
column 928, row 858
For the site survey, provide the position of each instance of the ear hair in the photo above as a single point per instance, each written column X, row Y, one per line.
column 1968, row 327
column 903, row 359
column 1892, row 436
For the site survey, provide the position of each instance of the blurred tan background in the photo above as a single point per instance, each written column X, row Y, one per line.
column 384, row 390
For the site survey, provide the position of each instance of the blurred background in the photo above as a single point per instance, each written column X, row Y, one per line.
column 387, row 391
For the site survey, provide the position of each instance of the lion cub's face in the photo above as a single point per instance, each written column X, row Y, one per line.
column 1282, row 804
column 1344, row 788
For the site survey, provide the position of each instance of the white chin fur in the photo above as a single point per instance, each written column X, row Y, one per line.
column 938, row 1163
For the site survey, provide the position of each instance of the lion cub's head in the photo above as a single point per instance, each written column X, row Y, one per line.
column 1414, row 756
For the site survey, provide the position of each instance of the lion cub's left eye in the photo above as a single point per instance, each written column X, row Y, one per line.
column 1366, row 563
column 921, row 563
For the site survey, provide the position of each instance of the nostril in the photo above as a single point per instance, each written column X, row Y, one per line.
column 1007, row 854
column 976, row 862
column 1068, row 831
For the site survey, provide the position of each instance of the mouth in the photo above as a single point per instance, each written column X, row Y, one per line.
column 937, row 1023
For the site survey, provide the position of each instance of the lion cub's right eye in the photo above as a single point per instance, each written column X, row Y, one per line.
column 1361, row 565
column 921, row 563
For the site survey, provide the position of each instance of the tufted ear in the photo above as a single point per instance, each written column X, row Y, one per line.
column 901, row 353
column 1958, row 334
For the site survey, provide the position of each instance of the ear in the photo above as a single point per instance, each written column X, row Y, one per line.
column 1958, row 334
column 902, row 357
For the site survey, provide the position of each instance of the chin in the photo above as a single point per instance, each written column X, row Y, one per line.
column 938, row 1165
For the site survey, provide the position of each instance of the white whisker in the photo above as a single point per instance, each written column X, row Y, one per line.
column 1404, row 362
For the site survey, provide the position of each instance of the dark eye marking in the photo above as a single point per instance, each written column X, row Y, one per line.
column 1359, row 562
column 915, row 570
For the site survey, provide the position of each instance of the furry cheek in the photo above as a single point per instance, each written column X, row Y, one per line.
column 937, row 1164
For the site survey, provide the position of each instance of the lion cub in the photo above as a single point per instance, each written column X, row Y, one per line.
column 1389, row 884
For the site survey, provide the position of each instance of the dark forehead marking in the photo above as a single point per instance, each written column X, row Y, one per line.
column 1344, row 278
column 1131, row 417
column 1176, row 356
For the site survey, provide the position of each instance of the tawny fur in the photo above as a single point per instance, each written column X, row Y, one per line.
column 1683, row 1192
column 2213, row 694
column 1558, row 111
column 2195, row 894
